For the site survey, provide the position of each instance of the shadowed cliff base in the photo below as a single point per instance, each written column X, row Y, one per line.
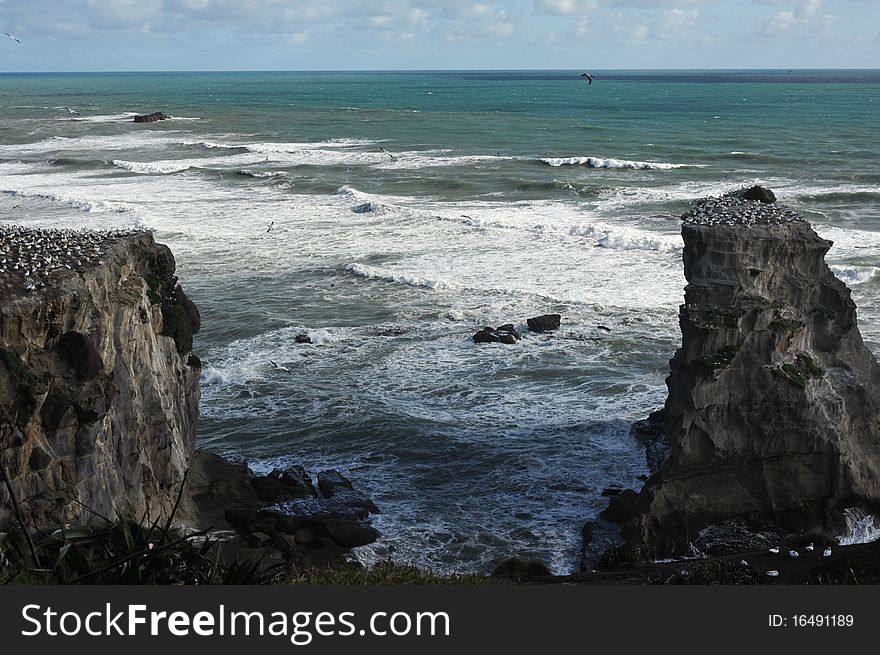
column 772, row 422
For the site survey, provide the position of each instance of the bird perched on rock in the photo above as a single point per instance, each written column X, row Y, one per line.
column 774, row 551
column 809, row 548
column 773, row 573
column 793, row 553
column 827, row 552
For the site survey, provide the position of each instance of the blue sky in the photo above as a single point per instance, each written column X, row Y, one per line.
column 76, row 35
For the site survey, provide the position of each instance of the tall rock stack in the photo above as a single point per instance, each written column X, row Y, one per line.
column 773, row 413
column 98, row 390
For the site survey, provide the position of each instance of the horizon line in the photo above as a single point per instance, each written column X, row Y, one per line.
column 423, row 70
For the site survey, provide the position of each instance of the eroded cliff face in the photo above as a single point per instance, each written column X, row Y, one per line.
column 773, row 413
column 98, row 392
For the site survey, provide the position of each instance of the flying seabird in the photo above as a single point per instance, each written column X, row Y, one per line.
column 12, row 37
column 71, row 111
column 270, row 227
column 386, row 152
column 588, row 78
column 280, row 368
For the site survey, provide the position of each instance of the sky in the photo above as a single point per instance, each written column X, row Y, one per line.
column 127, row 35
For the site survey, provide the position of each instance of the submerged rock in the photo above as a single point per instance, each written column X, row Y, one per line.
column 774, row 401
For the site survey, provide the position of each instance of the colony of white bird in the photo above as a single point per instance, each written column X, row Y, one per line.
column 29, row 257
column 732, row 210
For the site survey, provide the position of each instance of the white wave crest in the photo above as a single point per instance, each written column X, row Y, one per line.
column 624, row 238
column 391, row 275
column 158, row 167
column 600, row 162
column 854, row 274
column 861, row 527
column 90, row 205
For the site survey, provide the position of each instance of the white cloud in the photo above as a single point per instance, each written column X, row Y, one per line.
column 565, row 7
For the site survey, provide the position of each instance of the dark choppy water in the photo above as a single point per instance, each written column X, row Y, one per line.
column 508, row 195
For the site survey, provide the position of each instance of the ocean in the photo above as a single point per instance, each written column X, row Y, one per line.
column 498, row 196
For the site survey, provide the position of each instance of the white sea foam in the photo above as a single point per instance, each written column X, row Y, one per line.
column 861, row 527
column 127, row 141
column 91, row 205
column 625, row 238
column 400, row 277
column 855, row 274
column 156, row 167
column 603, row 162
column 127, row 116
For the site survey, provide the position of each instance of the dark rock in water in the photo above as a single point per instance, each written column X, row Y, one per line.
column 334, row 485
column 604, row 328
column 774, row 401
column 502, row 334
column 756, row 193
column 517, row 569
column 622, row 507
column 298, row 480
column 608, row 492
column 280, row 486
column 151, row 118
column 303, row 338
column 364, row 208
column 545, row 322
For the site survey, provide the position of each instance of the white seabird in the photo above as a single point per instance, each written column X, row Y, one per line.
column 809, row 548
column 280, row 368
column 12, row 37
column 588, row 78
column 827, row 552
column 773, row 573
column 793, row 553
column 386, row 152
column 774, row 550
column 71, row 111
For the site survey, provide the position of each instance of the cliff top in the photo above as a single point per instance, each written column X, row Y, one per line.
column 745, row 207
column 32, row 259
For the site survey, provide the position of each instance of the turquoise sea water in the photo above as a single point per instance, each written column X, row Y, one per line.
column 502, row 195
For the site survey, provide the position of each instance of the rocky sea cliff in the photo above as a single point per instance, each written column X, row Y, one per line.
column 99, row 404
column 772, row 423
column 99, row 393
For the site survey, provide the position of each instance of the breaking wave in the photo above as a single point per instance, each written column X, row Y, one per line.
column 600, row 162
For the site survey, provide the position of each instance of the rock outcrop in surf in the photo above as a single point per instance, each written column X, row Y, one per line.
column 151, row 118
column 773, row 412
